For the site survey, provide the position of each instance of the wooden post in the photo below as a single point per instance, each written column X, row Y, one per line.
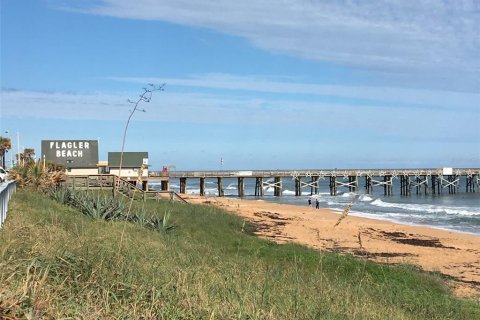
column 402, row 185
column 260, row 184
column 165, row 185
column 241, row 187
column 183, row 185
column 278, row 186
column 368, row 185
column 259, row 187
column 202, row 187
column 330, row 185
column 114, row 194
column 384, row 185
column 425, row 187
column 298, row 188
column 220, row 187
column 333, row 185
column 433, row 183
column 390, row 185
column 352, row 183
column 315, row 180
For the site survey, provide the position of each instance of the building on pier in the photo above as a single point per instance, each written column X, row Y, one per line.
column 134, row 166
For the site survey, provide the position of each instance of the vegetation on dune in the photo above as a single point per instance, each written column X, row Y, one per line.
column 5, row 145
column 98, row 205
column 58, row 263
column 36, row 175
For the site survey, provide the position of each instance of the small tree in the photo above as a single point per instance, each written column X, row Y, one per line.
column 26, row 157
column 5, row 145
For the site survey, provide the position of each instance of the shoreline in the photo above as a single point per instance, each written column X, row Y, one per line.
column 413, row 224
column 452, row 253
column 366, row 214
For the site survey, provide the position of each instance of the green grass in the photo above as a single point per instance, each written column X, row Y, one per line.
column 58, row 263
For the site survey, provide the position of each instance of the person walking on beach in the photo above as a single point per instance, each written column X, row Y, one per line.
column 309, row 202
column 317, row 204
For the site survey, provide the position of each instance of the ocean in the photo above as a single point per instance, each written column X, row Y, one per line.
column 457, row 212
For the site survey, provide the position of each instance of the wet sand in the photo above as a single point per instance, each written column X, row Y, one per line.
column 456, row 255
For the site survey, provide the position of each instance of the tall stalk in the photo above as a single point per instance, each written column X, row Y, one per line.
column 146, row 96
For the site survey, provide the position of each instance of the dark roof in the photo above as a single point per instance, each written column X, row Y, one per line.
column 130, row 159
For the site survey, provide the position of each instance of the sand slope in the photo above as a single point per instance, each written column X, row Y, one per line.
column 453, row 254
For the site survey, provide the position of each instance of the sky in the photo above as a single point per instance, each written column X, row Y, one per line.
column 258, row 84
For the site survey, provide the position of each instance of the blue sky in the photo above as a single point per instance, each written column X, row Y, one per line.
column 261, row 84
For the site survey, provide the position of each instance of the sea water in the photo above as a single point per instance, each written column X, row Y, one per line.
column 456, row 212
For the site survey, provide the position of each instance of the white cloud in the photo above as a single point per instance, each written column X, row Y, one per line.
column 424, row 41
column 428, row 98
column 312, row 117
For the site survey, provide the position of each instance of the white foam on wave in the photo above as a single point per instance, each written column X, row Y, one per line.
column 400, row 218
column 348, row 194
column 231, row 187
column 365, row 198
column 429, row 208
column 208, row 191
column 288, row 192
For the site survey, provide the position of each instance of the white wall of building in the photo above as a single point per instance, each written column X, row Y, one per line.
column 130, row 172
column 81, row 171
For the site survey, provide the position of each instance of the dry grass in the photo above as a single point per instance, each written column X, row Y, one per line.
column 56, row 263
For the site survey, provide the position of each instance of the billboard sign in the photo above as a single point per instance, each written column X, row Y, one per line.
column 71, row 153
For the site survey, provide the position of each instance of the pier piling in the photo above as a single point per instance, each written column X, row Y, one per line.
column 183, row 185
column 278, row 187
column 202, row 187
column 316, row 185
column 241, row 187
column 298, row 186
column 220, row 187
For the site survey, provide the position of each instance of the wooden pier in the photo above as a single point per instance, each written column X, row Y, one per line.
column 416, row 181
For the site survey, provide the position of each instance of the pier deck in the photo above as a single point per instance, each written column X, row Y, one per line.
column 422, row 180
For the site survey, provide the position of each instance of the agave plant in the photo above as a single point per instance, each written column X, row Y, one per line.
column 160, row 224
column 60, row 194
column 100, row 206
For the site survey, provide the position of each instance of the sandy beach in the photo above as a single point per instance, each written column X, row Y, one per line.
column 456, row 255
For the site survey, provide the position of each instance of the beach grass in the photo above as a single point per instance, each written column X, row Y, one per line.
column 57, row 263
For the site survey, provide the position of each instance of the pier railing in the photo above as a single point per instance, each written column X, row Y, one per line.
column 313, row 172
column 7, row 189
column 433, row 180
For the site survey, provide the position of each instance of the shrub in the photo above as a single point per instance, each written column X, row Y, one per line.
column 101, row 206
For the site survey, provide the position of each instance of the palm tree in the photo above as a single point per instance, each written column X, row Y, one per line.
column 5, row 145
column 26, row 158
